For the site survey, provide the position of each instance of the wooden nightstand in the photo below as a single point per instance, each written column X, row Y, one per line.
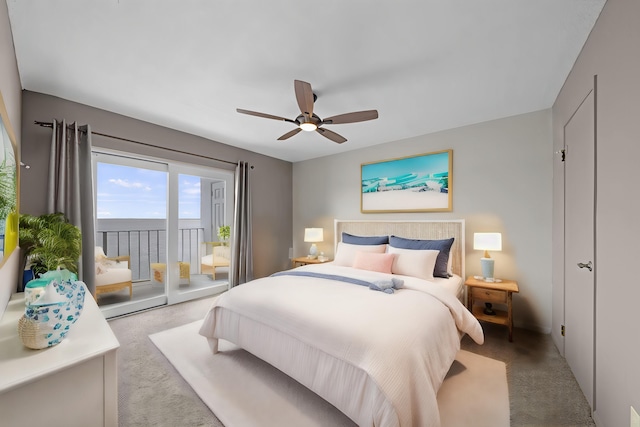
column 303, row 260
column 492, row 292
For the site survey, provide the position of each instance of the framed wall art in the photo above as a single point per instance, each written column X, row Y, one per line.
column 420, row 183
column 8, row 186
column 9, row 256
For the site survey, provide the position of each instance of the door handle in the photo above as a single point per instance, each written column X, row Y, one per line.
column 588, row 265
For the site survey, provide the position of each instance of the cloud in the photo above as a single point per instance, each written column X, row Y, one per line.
column 195, row 182
column 126, row 184
column 191, row 191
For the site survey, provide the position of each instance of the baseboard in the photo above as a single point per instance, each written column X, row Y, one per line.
column 594, row 415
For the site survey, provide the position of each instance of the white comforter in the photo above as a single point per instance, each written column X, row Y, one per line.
column 379, row 358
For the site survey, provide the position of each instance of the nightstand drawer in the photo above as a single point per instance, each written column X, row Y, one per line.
column 489, row 295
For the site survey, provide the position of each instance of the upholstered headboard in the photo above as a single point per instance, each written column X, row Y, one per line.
column 411, row 230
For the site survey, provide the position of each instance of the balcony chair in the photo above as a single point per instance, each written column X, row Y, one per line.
column 220, row 257
column 112, row 273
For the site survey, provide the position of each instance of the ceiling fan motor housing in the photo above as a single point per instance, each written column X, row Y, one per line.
column 303, row 118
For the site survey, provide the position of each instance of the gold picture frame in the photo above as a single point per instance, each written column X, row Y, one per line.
column 420, row 183
column 9, row 185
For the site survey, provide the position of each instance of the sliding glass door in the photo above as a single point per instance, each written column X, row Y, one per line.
column 159, row 220
column 200, row 204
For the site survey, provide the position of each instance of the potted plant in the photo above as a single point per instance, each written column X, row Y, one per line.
column 50, row 241
column 224, row 232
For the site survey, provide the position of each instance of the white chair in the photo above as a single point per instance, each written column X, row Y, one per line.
column 219, row 258
column 112, row 274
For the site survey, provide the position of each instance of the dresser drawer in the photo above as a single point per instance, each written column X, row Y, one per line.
column 489, row 295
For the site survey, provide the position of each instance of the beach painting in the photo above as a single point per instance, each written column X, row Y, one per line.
column 419, row 183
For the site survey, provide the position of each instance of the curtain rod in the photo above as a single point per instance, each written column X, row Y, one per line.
column 50, row 125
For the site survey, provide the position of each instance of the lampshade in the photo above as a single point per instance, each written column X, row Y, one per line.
column 313, row 235
column 487, row 242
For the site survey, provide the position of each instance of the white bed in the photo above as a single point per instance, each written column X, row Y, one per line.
column 379, row 357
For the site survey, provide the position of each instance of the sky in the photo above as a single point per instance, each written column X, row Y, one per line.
column 128, row 192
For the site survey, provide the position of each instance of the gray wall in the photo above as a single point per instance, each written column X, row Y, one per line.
column 270, row 179
column 502, row 181
column 9, row 79
column 611, row 53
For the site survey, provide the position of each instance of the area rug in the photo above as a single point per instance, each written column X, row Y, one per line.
column 242, row 390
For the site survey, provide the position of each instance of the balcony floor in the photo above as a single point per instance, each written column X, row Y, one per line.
column 145, row 290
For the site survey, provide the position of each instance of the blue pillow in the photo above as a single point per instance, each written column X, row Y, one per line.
column 364, row 240
column 444, row 246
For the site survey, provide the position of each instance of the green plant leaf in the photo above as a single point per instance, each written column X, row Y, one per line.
column 50, row 241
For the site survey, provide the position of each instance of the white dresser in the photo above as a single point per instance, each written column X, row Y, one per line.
column 74, row 383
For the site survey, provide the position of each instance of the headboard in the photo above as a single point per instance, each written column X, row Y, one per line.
column 410, row 230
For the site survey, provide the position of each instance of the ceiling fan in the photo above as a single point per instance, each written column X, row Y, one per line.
column 308, row 121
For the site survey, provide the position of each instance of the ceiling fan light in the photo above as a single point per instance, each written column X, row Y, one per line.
column 309, row 127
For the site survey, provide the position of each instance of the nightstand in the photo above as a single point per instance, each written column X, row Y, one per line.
column 303, row 260
column 491, row 292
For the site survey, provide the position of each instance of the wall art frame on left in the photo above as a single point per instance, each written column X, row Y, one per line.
column 420, row 183
column 9, row 205
column 9, row 186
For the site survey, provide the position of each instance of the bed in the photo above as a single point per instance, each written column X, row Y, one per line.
column 369, row 332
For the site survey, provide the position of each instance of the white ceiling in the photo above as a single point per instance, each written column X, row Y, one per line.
column 425, row 65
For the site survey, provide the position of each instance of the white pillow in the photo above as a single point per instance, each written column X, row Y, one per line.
column 413, row 262
column 346, row 253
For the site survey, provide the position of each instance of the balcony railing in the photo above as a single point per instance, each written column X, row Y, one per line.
column 145, row 241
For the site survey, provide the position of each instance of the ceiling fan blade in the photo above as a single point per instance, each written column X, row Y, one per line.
column 266, row 116
column 358, row 116
column 331, row 135
column 289, row 134
column 304, row 96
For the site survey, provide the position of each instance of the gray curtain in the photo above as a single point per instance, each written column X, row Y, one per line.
column 71, row 188
column 242, row 252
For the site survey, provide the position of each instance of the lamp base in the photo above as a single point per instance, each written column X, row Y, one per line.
column 487, row 269
column 313, row 251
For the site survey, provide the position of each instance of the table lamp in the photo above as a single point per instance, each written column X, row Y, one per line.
column 313, row 236
column 487, row 242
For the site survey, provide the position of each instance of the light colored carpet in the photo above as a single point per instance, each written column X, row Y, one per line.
column 242, row 390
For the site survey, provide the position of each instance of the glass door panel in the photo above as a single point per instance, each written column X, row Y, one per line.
column 131, row 229
column 200, row 204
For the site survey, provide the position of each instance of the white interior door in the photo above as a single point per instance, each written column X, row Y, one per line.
column 579, row 245
column 218, row 206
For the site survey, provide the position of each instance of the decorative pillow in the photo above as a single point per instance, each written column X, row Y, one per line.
column 364, row 240
column 414, row 262
column 99, row 253
column 346, row 253
column 444, row 246
column 373, row 261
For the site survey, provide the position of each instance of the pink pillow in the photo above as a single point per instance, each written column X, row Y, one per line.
column 375, row 262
